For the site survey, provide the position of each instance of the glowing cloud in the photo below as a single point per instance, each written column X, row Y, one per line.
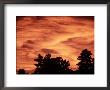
column 64, row 36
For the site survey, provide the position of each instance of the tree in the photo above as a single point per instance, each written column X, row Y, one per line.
column 21, row 71
column 48, row 65
column 86, row 64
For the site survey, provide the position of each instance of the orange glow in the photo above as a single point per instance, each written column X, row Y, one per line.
column 64, row 36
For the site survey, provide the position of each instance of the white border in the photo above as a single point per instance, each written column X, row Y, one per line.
column 97, row 80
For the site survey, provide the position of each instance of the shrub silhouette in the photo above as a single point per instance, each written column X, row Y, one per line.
column 48, row 65
column 21, row 71
column 86, row 64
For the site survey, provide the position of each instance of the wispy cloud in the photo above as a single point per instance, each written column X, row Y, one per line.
column 59, row 35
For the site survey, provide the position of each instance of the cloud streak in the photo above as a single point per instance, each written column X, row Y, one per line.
column 64, row 36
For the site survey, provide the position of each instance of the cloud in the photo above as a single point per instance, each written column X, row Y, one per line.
column 64, row 36
column 27, row 46
column 46, row 51
column 79, row 40
column 29, row 42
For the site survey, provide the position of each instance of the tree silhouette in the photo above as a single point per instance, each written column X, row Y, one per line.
column 86, row 64
column 21, row 71
column 48, row 65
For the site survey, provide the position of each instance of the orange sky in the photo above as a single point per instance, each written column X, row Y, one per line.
column 61, row 36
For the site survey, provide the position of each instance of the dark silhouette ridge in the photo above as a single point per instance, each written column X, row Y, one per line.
column 58, row 65
column 21, row 71
column 48, row 65
column 86, row 64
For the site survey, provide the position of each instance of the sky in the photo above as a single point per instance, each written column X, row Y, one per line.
column 64, row 36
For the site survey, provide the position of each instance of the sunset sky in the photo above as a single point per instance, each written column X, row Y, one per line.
column 64, row 36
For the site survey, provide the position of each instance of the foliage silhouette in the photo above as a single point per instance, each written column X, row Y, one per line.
column 21, row 71
column 86, row 64
column 48, row 65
